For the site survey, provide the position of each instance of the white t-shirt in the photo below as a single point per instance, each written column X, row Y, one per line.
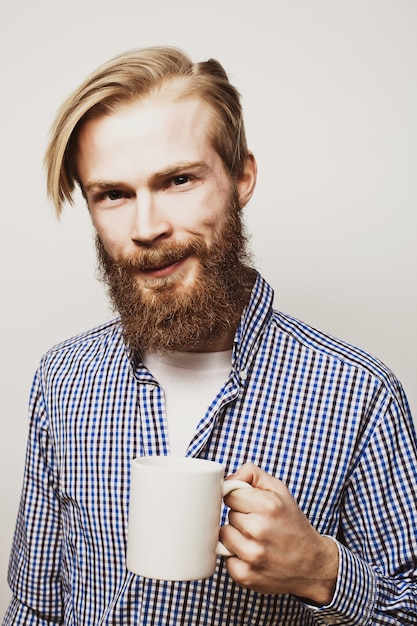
column 190, row 381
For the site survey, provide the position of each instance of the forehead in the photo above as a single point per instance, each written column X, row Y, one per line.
column 162, row 126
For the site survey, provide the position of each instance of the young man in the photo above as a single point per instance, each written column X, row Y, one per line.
column 199, row 364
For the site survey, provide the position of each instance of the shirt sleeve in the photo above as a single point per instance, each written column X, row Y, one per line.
column 18, row 613
column 34, row 568
column 377, row 578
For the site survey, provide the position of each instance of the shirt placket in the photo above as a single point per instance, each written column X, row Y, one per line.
column 154, row 438
column 205, row 427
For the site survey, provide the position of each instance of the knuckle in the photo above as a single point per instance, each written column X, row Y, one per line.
column 254, row 554
column 240, row 572
column 271, row 505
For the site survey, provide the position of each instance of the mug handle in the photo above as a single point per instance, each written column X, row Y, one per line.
column 227, row 487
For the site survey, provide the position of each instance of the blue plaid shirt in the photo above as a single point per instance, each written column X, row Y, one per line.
column 329, row 420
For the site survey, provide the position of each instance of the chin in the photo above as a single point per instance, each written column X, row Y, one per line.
column 176, row 282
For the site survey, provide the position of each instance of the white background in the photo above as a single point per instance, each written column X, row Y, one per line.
column 329, row 90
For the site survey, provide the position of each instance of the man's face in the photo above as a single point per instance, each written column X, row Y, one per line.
column 152, row 178
column 158, row 194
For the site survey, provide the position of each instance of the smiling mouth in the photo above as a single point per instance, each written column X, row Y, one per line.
column 164, row 270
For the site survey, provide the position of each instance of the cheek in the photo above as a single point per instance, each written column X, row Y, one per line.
column 213, row 221
column 111, row 234
column 205, row 228
column 210, row 215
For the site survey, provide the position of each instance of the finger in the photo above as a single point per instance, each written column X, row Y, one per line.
column 256, row 477
column 230, row 537
column 239, row 521
column 251, row 525
column 255, row 526
column 241, row 572
column 244, row 548
column 236, row 542
column 242, row 500
column 269, row 505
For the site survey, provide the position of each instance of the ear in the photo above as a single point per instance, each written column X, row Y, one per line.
column 246, row 183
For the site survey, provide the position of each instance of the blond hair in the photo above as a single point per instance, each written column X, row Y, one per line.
column 130, row 76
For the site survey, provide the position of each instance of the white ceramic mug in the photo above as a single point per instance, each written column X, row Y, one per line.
column 174, row 517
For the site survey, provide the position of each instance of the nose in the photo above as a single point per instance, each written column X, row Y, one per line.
column 149, row 223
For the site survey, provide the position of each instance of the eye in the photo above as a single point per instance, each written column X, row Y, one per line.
column 114, row 194
column 180, row 180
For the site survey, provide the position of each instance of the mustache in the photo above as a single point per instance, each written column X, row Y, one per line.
column 161, row 256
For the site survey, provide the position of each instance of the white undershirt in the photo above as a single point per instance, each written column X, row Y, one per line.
column 190, row 382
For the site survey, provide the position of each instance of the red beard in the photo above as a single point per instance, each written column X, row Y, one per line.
column 166, row 315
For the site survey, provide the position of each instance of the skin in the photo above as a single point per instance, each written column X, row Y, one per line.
column 277, row 549
column 150, row 176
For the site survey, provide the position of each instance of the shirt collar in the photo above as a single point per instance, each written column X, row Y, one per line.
column 254, row 319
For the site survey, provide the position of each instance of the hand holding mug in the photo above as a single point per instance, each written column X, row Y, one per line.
column 174, row 517
column 275, row 548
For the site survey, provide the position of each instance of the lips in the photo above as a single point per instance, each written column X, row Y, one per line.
column 164, row 270
column 165, row 259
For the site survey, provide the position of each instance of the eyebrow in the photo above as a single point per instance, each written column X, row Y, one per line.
column 176, row 168
column 171, row 170
column 101, row 184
